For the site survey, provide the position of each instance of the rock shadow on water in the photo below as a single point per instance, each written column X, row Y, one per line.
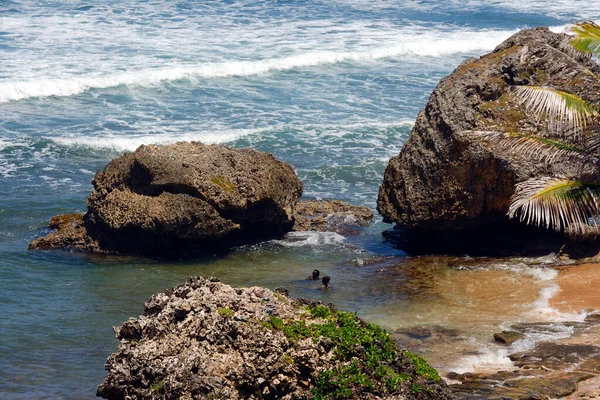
column 502, row 239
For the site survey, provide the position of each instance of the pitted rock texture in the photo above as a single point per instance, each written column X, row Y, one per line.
column 189, row 198
column 331, row 216
column 447, row 178
column 206, row 340
column 67, row 232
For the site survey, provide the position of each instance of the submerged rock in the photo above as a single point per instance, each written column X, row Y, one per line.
column 550, row 370
column 185, row 198
column 448, row 178
column 508, row 337
column 204, row 340
column 331, row 216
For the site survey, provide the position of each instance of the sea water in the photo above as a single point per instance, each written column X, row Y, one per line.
column 331, row 87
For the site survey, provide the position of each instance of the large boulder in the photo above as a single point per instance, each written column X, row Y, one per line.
column 186, row 198
column 447, row 177
column 206, row 340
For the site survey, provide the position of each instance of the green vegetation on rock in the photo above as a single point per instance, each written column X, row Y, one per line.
column 369, row 356
column 225, row 312
column 423, row 367
column 223, row 183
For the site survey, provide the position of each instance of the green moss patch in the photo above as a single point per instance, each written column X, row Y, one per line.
column 367, row 358
column 223, row 183
column 225, row 312
column 422, row 367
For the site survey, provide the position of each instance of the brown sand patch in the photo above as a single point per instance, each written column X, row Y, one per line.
column 579, row 288
column 589, row 389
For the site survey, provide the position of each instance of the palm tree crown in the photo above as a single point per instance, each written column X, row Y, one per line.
column 570, row 204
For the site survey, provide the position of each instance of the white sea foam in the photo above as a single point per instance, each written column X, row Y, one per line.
column 409, row 44
column 132, row 142
column 491, row 358
column 494, row 358
column 542, row 274
column 309, row 238
column 561, row 9
column 542, row 310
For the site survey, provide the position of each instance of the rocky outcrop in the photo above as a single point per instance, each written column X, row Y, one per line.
column 548, row 371
column 331, row 216
column 67, row 232
column 185, row 198
column 206, row 340
column 446, row 177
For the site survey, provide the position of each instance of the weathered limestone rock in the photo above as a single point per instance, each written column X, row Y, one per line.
column 186, row 198
column 331, row 216
column 508, row 337
column 447, row 178
column 205, row 340
column 68, row 232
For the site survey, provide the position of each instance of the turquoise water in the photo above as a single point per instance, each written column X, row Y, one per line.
column 331, row 87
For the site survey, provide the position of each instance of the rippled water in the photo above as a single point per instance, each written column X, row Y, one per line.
column 331, row 87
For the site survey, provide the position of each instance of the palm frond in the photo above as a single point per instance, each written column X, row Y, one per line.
column 557, row 203
column 556, row 105
column 592, row 142
column 535, row 146
column 587, row 37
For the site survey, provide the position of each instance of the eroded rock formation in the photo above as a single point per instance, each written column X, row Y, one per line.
column 183, row 198
column 447, row 178
column 206, row 340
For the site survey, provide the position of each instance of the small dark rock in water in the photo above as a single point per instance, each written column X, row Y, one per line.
column 331, row 216
column 205, row 340
column 180, row 199
column 508, row 337
column 416, row 332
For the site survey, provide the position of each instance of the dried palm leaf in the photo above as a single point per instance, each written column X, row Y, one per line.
column 587, row 37
column 557, row 203
column 591, row 143
column 556, row 105
column 536, row 147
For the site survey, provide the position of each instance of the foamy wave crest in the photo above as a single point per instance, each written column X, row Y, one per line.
column 130, row 143
column 301, row 239
column 412, row 45
column 541, row 308
column 491, row 358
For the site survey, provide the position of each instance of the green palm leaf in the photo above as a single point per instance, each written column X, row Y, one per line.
column 587, row 37
column 536, row 147
column 556, row 105
column 557, row 203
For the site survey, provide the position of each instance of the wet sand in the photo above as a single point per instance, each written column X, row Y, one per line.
column 580, row 291
column 579, row 288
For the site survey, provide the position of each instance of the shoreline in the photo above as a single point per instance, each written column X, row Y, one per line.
column 578, row 285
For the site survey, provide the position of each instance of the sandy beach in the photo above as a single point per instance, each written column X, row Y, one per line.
column 579, row 288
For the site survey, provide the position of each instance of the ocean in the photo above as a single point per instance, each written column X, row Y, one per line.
column 331, row 87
